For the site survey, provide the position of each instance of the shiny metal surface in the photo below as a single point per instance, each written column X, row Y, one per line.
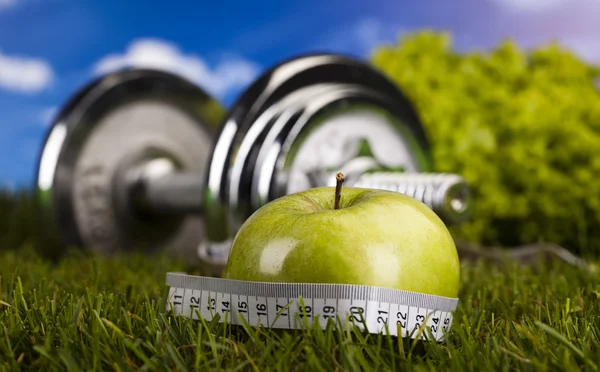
column 113, row 125
column 160, row 188
column 251, row 162
column 448, row 195
column 324, row 135
column 370, row 146
column 325, row 144
column 133, row 160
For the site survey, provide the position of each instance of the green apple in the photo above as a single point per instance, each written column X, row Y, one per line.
column 376, row 237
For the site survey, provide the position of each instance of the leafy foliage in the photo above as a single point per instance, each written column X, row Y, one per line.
column 522, row 127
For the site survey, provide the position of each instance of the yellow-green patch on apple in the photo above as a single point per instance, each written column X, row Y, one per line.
column 376, row 237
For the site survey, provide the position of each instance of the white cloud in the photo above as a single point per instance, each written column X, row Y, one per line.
column 24, row 74
column 226, row 76
column 530, row 5
column 4, row 4
column 361, row 37
column 370, row 32
column 588, row 48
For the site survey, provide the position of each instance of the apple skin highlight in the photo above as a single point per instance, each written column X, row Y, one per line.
column 376, row 238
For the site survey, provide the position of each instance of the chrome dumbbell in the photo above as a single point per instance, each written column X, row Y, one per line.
column 134, row 160
column 102, row 172
column 306, row 119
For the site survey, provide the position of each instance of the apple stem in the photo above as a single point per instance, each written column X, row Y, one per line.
column 339, row 178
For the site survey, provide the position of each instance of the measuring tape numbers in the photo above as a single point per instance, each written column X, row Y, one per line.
column 297, row 305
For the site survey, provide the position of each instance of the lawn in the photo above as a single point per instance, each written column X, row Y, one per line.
column 92, row 313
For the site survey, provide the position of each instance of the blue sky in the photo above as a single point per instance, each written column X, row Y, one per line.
column 50, row 48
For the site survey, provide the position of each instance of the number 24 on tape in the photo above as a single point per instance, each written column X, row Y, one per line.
column 288, row 313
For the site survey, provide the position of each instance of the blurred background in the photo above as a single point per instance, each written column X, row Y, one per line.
column 502, row 82
column 49, row 48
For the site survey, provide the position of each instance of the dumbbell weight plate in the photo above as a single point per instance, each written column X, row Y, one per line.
column 115, row 123
column 281, row 113
column 304, row 150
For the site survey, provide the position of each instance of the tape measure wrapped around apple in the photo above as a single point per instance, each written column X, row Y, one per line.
column 377, row 259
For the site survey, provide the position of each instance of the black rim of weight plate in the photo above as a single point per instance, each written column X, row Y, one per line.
column 273, row 85
column 284, row 138
column 85, row 108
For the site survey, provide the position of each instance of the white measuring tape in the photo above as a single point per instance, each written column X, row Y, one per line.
column 297, row 305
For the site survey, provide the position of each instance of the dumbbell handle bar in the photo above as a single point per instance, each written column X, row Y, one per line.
column 178, row 193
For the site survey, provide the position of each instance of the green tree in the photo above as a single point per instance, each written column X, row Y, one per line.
column 522, row 126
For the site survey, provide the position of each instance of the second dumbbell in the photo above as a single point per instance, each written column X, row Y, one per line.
column 135, row 159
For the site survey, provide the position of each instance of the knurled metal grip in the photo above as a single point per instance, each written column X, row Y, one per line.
column 142, row 159
column 448, row 195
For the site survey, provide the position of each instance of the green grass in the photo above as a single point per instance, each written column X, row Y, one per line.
column 91, row 313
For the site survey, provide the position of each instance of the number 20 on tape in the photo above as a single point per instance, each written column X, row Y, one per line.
column 296, row 306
